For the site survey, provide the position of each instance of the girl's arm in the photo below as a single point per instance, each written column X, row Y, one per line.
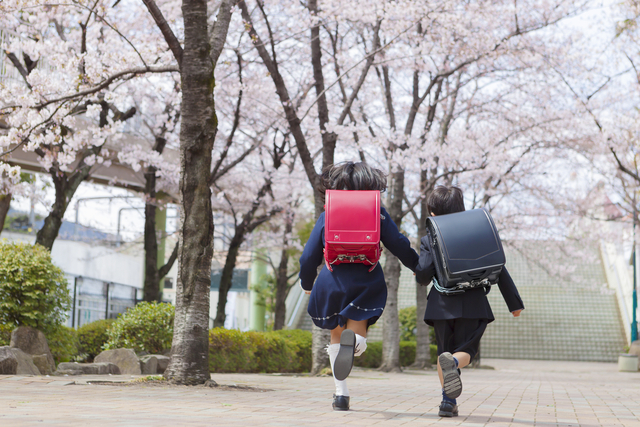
column 396, row 242
column 312, row 255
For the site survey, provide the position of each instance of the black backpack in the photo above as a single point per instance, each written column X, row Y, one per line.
column 467, row 251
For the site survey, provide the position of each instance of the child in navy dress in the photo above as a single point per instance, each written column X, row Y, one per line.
column 459, row 321
column 350, row 299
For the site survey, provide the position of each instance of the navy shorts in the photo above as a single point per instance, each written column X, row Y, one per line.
column 455, row 335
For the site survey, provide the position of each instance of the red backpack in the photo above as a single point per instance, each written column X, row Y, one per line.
column 352, row 227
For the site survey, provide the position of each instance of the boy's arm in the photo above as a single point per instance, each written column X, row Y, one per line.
column 510, row 293
column 426, row 268
column 312, row 255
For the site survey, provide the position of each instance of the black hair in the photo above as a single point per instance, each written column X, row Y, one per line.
column 353, row 176
column 445, row 200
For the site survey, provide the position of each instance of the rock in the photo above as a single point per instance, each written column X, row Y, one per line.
column 34, row 343
column 634, row 348
column 8, row 362
column 163, row 362
column 43, row 363
column 63, row 372
column 124, row 358
column 149, row 365
column 25, row 363
column 88, row 368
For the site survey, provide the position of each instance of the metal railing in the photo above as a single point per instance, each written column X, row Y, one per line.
column 95, row 299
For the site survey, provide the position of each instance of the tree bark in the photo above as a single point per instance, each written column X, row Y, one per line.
column 65, row 187
column 190, row 347
column 227, row 275
column 5, row 204
column 151, row 289
column 247, row 225
column 423, row 351
column 391, row 324
column 282, row 279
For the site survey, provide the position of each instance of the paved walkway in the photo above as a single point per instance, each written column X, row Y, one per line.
column 515, row 393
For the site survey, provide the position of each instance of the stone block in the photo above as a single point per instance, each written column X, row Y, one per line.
column 8, row 362
column 88, row 368
column 25, row 363
column 149, row 365
column 123, row 358
column 34, row 343
column 163, row 362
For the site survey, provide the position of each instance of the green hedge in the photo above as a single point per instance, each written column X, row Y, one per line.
column 63, row 343
column 145, row 327
column 5, row 334
column 92, row 337
column 231, row 350
column 372, row 358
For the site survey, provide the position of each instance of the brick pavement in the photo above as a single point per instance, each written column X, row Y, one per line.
column 515, row 393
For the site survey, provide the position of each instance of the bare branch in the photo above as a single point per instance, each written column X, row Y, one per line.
column 219, row 31
column 363, row 75
column 166, row 31
column 623, row 168
column 16, row 63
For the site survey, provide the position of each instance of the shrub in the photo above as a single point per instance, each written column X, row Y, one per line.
column 407, row 317
column 5, row 334
column 63, row 343
column 372, row 358
column 301, row 340
column 33, row 291
column 147, row 327
column 92, row 337
column 231, row 350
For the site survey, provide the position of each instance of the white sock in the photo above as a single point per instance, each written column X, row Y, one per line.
column 361, row 345
column 341, row 386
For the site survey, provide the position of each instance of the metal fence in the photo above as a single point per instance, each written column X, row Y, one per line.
column 95, row 299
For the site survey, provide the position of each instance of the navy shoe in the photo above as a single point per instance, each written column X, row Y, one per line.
column 448, row 409
column 344, row 359
column 451, row 375
column 340, row 403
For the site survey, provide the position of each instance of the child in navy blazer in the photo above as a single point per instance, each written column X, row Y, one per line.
column 459, row 321
column 351, row 298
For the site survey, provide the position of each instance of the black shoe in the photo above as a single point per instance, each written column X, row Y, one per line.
column 340, row 403
column 448, row 409
column 344, row 359
column 451, row 376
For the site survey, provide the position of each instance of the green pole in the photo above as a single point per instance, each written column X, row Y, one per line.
column 258, row 304
column 161, row 231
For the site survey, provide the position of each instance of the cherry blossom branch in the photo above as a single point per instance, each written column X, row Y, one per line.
column 165, row 29
column 26, row 138
column 104, row 84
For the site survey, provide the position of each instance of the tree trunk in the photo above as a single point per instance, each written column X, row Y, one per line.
column 190, row 347
column 423, row 352
column 282, row 279
column 227, row 276
column 5, row 204
column 391, row 325
column 151, row 290
column 65, row 187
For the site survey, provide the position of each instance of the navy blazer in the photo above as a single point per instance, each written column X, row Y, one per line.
column 472, row 304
